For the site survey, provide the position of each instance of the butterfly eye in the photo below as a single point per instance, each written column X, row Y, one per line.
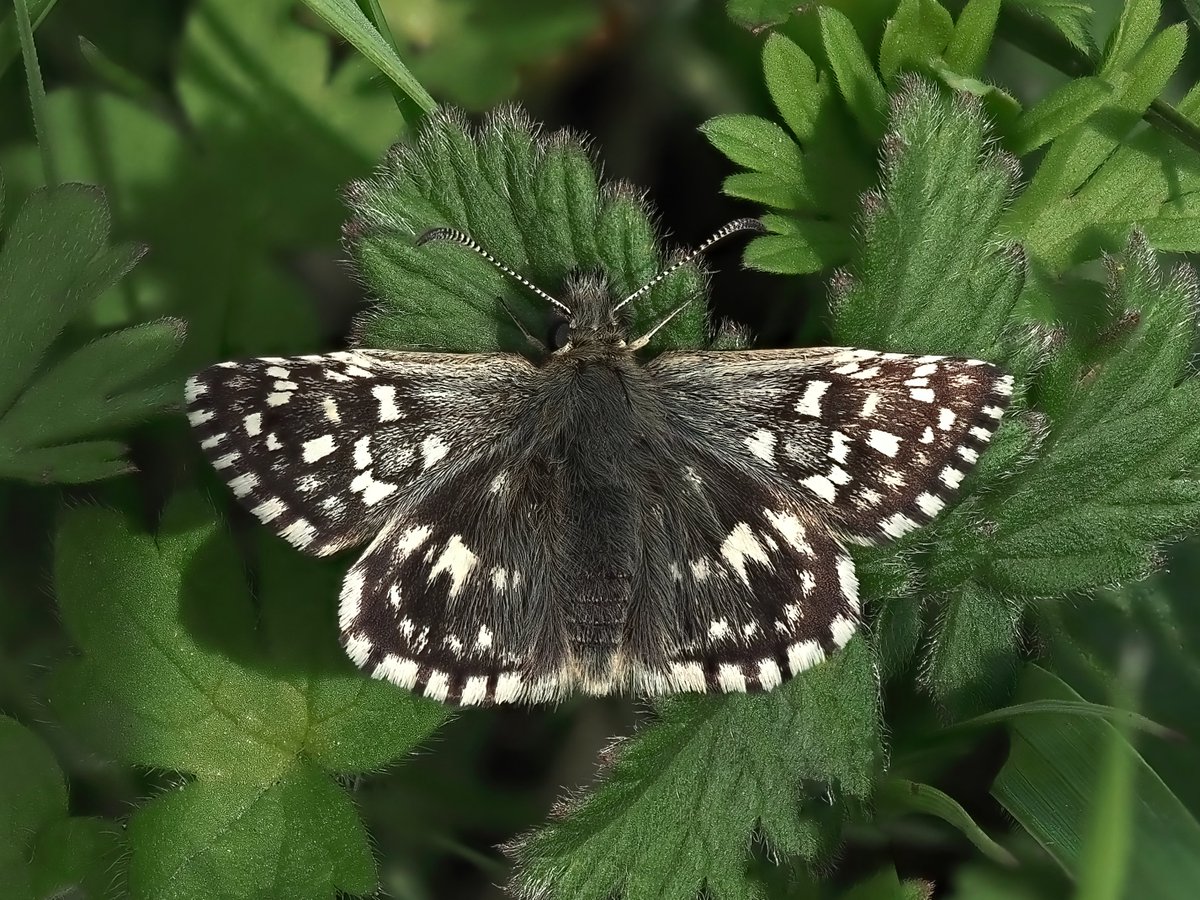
column 560, row 336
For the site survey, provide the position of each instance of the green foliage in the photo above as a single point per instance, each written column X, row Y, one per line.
column 44, row 853
column 207, row 704
column 681, row 799
column 176, row 675
column 536, row 203
column 1054, row 770
column 55, row 261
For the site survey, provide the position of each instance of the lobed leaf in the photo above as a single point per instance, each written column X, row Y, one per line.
column 54, row 263
column 536, row 203
column 682, row 798
column 175, row 675
column 43, row 852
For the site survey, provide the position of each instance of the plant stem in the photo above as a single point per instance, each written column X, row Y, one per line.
column 37, row 92
column 409, row 111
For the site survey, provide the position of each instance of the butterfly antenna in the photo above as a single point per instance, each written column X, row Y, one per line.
column 737, row 226
column 461, row 237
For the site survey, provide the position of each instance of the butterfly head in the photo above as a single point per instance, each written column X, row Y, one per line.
column 593, row 322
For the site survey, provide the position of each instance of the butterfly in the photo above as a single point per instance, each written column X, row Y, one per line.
column 590, row 517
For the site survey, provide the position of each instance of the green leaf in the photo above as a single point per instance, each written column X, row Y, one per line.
column 930, row 276
column 536, row 203
column 815, row 182
column 1050, row 782
column 175, row 675
column 1057, row 113
column 54, row 263
column 1139, row 19
column 885, row 885
column 856, row 78
column 757, row 13
column 795, row 86
column 1069, row 18
column 1123, row 450
column 918, row 33
column 757, row 144
column 1089, row 189
column 899, row 796
column 348, row 20
column 236, row 187
column 43, row 853
column 972, row 662
column 972, row 38
column 681, row 799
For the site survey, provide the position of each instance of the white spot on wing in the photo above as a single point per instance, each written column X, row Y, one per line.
column 718, row 629
column 253, row 424
column 433, row 448
column 509, row 687
column 474, row 691
column 362, row 452
column 762, row 445
column 200, row 416
column 358, row 648
column 731, row 679
column 412, row 540
column 792, row 529
column 278, row 398
column 397, row 670
column 269, row 510
column 930, row 504
column 299, row 534
column 885, row 442
column 839, row 448
column 821, row 486
column 848, row 580
column 842, row 629
column 243, row 484
column 769, row 675
column 803, row 655
column 810, row 402
column 925, row 395
column 372, row 491
column 350, row 601
column 458, row 560
column 318, row 448
column 897, row 525
column 688, row 676
column 193, row 390
column 386, row 395
column 330, row 408
column 870, row 405
column 438, row 685
column 740, row 546
column 951, row 477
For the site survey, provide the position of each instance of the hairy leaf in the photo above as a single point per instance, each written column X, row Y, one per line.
column 536, row 203
column 680, row 800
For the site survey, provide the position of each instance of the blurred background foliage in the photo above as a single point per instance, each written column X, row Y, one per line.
column 222, row 134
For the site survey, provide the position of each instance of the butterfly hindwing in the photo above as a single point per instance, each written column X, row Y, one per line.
column 878, row 442
column 321, row 449
column 460, row 597
column 749, row 589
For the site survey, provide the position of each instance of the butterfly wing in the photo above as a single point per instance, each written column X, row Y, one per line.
column 460, row 597
column 878, row 442
column 322, row 449
column 781, row 457
column 740, row 588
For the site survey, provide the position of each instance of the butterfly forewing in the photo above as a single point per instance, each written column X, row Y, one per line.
column 878, row 442
column 321, row 449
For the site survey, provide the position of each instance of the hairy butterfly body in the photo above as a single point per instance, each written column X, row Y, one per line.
column 595, row 521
